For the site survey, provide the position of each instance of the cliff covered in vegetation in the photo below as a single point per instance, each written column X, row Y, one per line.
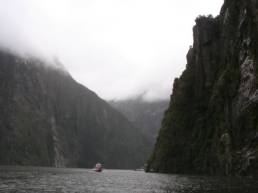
column 211, row 125
column 48, row 119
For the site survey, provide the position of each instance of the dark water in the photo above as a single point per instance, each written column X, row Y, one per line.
column 50, row 180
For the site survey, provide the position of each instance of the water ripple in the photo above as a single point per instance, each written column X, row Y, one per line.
column 53, row 180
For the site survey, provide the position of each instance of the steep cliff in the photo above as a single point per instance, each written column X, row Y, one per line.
column 211, row 125
column 48, row 119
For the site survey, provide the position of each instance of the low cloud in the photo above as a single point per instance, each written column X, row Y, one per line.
column 117, row 48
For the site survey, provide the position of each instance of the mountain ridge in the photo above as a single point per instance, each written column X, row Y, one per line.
column 143, row 114
column 49, row 119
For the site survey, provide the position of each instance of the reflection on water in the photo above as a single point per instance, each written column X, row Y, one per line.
column 53, row 180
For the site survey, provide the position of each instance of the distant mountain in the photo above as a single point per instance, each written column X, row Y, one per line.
column 48, row 119
column 211, row 125
column 145, row 115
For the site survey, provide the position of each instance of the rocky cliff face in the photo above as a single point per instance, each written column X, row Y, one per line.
column 48, row 119
column 211, row 125
column 145, row 115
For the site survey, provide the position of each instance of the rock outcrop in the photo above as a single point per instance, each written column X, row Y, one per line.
column 211, row 125
column 48, row 119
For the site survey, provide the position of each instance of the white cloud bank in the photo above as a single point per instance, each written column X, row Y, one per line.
column 117, row 48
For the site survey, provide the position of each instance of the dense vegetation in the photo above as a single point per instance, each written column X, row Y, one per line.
column 211, row 125
column 48, row 119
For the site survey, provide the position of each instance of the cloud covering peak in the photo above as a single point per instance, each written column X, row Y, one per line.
column 118, row 48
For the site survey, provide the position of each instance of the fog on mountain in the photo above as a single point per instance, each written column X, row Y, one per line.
column 87, row 102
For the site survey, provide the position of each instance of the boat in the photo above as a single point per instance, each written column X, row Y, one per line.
column 98, row 167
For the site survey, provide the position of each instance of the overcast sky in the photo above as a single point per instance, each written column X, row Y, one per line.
column 117, row 48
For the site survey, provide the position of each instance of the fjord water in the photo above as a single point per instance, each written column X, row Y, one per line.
column 58, row 180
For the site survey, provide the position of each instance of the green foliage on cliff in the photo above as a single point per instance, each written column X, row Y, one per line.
column 211, row 124
column 48, row 119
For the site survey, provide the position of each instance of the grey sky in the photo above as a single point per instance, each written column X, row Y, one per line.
column 117, row 48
